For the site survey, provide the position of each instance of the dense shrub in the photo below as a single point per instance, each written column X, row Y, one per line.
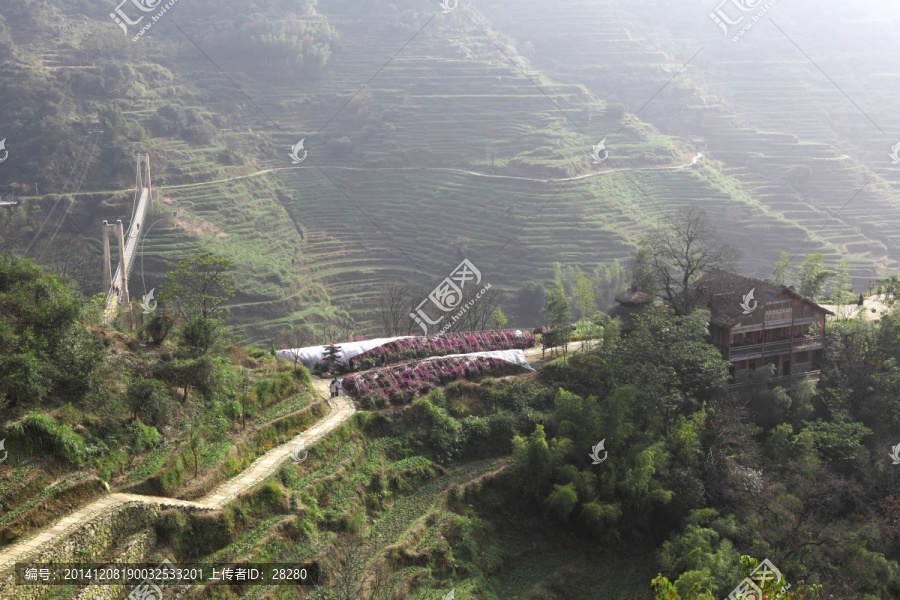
column 40, row 433
column 143, row 437
column 159, row 327
column 150, row 400
column 44, row 347
column 196, row 534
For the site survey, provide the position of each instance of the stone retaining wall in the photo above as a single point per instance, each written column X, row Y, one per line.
column 91, row 542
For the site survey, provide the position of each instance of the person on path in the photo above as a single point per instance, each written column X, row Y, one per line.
column 333, row 388
column 338, row 385
column 351, row 365
column 383, row 361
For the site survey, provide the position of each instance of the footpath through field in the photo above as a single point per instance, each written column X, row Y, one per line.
column 341, row 410
column 262, row 467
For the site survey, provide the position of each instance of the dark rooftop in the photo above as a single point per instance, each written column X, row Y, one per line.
column 723, row 292
column 628, row 303
column 634, row 297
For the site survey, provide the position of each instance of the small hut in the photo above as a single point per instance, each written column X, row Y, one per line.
column 627, row 304
column 551, row 338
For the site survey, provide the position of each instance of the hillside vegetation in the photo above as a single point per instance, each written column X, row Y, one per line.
column 415, row 158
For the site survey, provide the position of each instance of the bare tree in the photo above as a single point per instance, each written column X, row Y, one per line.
column 478, row 316
column 297, row 336
column 65, row 256
column 681, row 249
column 395, row 301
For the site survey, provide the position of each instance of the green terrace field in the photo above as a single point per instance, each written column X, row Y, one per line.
column 432, row 137
column 411, row 511
column 41, row 487
column 414, row 190
column 764, row 107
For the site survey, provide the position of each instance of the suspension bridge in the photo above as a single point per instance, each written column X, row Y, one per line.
column 117, row 285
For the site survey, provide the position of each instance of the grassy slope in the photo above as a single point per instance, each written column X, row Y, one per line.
column 410, row 521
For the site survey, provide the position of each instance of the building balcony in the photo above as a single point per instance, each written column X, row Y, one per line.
column 800, row 344
column 774, row 320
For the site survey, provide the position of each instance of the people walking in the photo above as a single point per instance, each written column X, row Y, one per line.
column 333, row 387
column 351, row 365
column 338, row 386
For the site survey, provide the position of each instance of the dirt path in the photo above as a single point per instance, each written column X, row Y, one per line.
column 872, row 309
column 445, row 169
column 341, row 410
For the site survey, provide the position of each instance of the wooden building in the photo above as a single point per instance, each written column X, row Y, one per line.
column 755, row 322
column 627, row 304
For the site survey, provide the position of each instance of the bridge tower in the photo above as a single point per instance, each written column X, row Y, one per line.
column 122, row 265
column 107, row 260
column 143, row 172
column 119, row 232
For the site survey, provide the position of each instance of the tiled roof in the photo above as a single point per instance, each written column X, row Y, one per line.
column 722, row 292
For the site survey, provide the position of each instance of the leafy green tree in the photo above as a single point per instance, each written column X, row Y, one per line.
column 891, row 289
column 609, row 281
column 578, row 419
column 782, row 272
column 200, row 336
column 558, row 315
column 669, row 359
column 702, row 556
column 839, row 443
column 585, row 301
column 562, row 501
column 665, row 590
column 584, row 296
column 201, row 373
column 150, row 400
column 529, row 304
column 813, row 276
column 332, row 354
column 534, row 458
column 199, row 287
column 840, row 289
column 44, row 347
column 498, row 318
column 642, row 272
column 159, row 327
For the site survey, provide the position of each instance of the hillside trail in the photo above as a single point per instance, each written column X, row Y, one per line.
column 341, row 410
column 693, row 162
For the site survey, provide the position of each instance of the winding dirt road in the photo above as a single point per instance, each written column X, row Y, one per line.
column 341, row 410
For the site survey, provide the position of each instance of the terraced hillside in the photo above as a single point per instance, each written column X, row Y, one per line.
column 456, row 148
column 769, row 112
column 435, row 136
